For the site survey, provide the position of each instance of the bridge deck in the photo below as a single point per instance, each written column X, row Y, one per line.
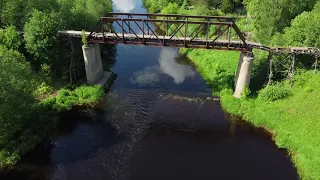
column 154, row 40
column 169, row 40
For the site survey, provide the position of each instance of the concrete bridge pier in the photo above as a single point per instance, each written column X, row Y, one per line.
column 93, row 63
column 243, row 75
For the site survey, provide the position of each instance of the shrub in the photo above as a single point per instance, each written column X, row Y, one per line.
column 89, row 94
column 67, row 98
column 43, row 89
column 48, row 102
column 84, row 38
column 274, row 92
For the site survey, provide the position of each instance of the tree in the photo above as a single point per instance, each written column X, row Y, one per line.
column 16, row 12
column 10, row 38
column 84, row 14
column 40, row 36
column 271, row 16
column 16, row 105
column 12, row 13
column 172, row 8
column 227, row 6
column 304, row 30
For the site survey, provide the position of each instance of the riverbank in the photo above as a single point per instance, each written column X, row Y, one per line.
column 294, row 120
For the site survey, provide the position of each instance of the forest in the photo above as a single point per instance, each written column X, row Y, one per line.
column 33, row 67
column 291, row 114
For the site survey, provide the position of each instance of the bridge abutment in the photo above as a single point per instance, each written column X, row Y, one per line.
column 243, row 75
column 93, row 63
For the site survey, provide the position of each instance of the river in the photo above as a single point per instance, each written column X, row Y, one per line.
column 158, row 121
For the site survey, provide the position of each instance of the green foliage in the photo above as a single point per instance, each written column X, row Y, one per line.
column 273, row 93
column 41, row 33
column 43, row 89
column 308, row 90
column 84, row 38
column 23, row 121
column 20, row 119
column 227, row 6
column 66, row 99
column 246, row 92
column 171, row 8
column 10, row 38
column 83, row 14
column 304, row 30
column 12, row 12
column 89, row 94
column 218, row 74
column 17, row 12
column 273, row 16
column 48, row 102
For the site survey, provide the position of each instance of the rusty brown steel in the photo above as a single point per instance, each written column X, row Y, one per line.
column 219, row 35
column 111, row 19
column 199, row 37
column 170, row 15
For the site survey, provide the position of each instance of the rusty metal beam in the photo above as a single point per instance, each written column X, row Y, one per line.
column 111, row 19
column 170, row 15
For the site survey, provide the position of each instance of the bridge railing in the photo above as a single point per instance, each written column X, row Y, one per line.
column 211, row 32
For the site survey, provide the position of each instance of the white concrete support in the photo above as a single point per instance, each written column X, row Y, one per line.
column 243, row 75
column 93, row 63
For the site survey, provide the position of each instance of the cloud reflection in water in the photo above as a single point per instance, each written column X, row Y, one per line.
column 124, row 6
column 167, row 66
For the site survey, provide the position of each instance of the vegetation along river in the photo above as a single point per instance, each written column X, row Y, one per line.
column 158, row 121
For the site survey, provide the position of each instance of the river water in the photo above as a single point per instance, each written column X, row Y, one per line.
column 158, row 121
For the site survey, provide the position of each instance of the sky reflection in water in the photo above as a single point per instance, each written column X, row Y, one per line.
column 167, row 67
column 126, row 6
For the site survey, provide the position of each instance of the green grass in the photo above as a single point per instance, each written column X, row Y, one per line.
column 66, row 99
column 294, row 119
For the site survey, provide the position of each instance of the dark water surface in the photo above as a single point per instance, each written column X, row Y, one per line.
column 158, row 122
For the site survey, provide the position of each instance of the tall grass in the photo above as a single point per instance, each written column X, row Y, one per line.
column 66, row 99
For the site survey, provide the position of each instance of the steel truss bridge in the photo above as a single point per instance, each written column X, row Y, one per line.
column 207, row 32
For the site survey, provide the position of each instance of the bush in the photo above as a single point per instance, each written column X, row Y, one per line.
column 89, row 94
column 67, row 98
column 274, row 92
column 43, row 89
column 48, row 102
column 84, row 38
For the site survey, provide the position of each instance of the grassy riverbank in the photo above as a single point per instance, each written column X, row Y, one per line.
column 294, row 120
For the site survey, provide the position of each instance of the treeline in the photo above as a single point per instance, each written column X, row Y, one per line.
column 294, row 19
column 30, row 61
column 202, row 7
